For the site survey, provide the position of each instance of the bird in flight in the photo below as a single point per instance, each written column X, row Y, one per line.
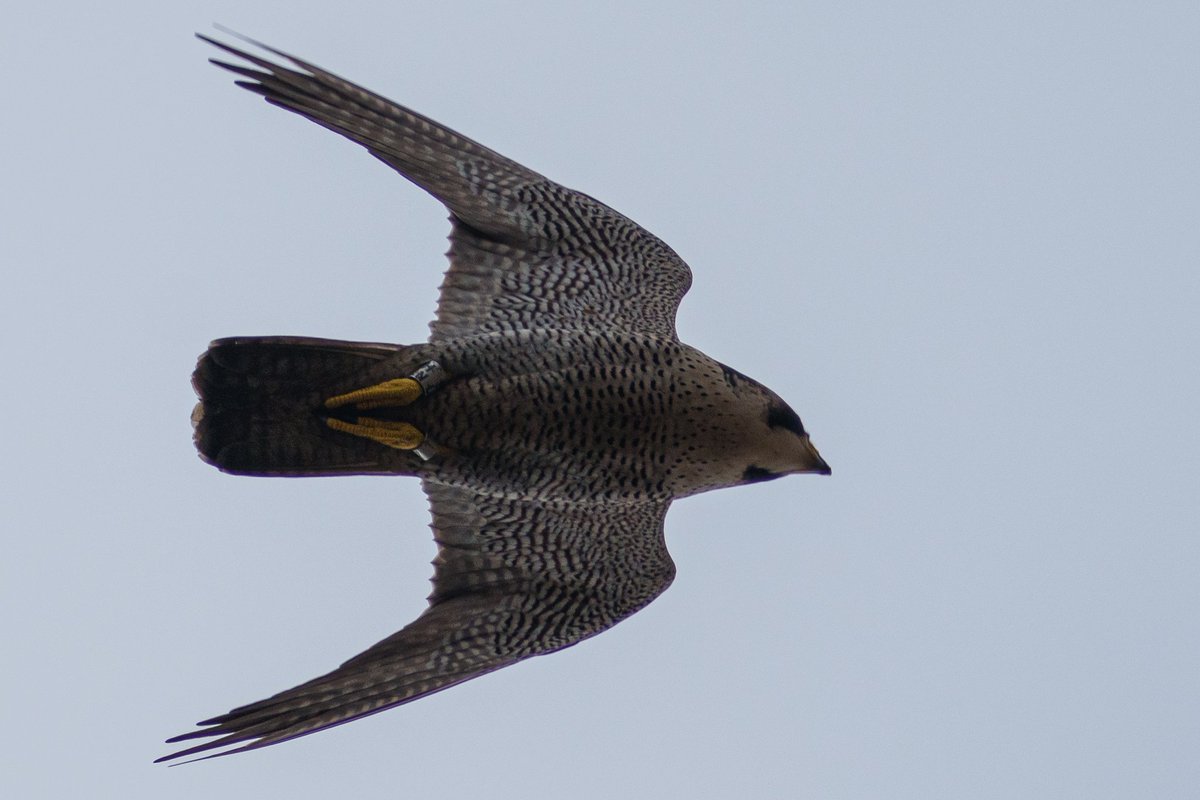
column 552, row 416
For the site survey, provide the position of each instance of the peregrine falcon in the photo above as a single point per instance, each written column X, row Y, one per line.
column 552, row 416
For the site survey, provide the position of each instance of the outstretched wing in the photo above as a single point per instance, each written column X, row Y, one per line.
column 513, row 579
column 525, row 251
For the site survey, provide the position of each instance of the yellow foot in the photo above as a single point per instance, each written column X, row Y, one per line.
column 399, row 435
column 396, row 392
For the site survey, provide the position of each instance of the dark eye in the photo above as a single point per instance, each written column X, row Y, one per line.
column 780, row 416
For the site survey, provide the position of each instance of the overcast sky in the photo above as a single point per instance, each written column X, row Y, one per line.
column 962, row 240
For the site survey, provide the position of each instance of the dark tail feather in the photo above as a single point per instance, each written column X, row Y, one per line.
column 261, row 406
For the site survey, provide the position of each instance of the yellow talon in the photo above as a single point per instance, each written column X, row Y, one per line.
column 396, row 392
column 398, row 435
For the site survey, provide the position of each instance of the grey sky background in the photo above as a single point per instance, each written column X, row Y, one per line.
column 961, row 239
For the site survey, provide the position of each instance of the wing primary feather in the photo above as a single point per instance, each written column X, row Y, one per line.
column 508, row 220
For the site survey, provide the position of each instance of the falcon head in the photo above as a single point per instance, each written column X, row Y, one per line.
column 772, row 440
column 782, row 446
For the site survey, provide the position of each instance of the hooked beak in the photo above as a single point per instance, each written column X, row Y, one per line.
column 813, row 460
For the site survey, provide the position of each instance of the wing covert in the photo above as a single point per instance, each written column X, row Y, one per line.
column 513, row 579
column 525, row 251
